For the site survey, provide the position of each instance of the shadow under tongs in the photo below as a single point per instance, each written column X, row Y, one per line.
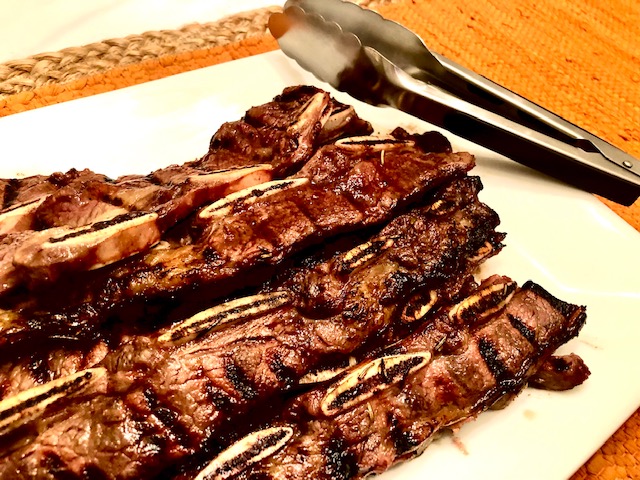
column 495, row 167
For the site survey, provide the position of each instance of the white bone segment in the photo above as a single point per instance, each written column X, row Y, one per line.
column 261, row 172
column 364, row 252
column 484, row 303
column 374, row 142
column 247, row 196
column 19, row 217
column 245, row 452
column 309, row 116
column 91, row 246
column 364, row 381
column 414, row 311
column 239, row 309
column 338, row 118
column 31, row 403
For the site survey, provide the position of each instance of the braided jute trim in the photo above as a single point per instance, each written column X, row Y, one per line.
column 72, row 63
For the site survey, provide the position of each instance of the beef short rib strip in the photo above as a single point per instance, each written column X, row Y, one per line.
column 388, row 409
column 138, row 229
column 95, row 223
column 169, row 399
column 284, row 133
column 290, row 118
column 344, row 187
column 287, row 132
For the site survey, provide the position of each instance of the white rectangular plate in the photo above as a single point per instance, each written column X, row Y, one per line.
column 560, row 237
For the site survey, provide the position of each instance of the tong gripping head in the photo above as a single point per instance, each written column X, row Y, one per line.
column 383, row 63
column 318, row 46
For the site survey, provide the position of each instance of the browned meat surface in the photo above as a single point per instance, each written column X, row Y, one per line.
column 284, row 133
column 91, row 223
column 24, row 190
column 387, row 409
column 560, row 373
column 9, row 243
column 300, row 302
column 190, row 393
column 342, row 188
column 22, row 198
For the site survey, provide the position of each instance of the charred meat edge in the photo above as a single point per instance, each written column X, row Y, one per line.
column 233, row 386
column 346, row 190
column 370, row 433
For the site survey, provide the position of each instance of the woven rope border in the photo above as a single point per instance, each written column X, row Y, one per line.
column 72, row 63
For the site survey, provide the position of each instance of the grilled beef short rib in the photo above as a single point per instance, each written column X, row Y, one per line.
column 345, row 186
column 199, row 377
column 387, row 409
column 369, row 338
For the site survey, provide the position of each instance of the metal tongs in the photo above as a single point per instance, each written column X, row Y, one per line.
column 383, row 63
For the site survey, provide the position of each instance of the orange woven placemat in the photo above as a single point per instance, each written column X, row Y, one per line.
column 578, row 58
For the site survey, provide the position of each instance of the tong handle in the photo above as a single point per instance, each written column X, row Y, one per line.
column 588, row 170
column 485, row 93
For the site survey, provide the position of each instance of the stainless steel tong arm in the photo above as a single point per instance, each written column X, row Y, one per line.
column 408, row 51
column 381, row 62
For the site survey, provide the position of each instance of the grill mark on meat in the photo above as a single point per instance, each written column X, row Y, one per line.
column 241, row 382
column 218, row 398
column 238, row 362
column 491, row 357
column 524, row 330
column 285, row 374
column 95, row 227
column 38, row 370
column 398, row 422
column 340, row 463
column 169, row 418
column 404, row 440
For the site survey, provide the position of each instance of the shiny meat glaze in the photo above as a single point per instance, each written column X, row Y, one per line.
column 342, row 188
column 284, row 133
column 464, row 376
column 289, row 119
column 319, row 293
column 162, row 402
column 280, row 136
